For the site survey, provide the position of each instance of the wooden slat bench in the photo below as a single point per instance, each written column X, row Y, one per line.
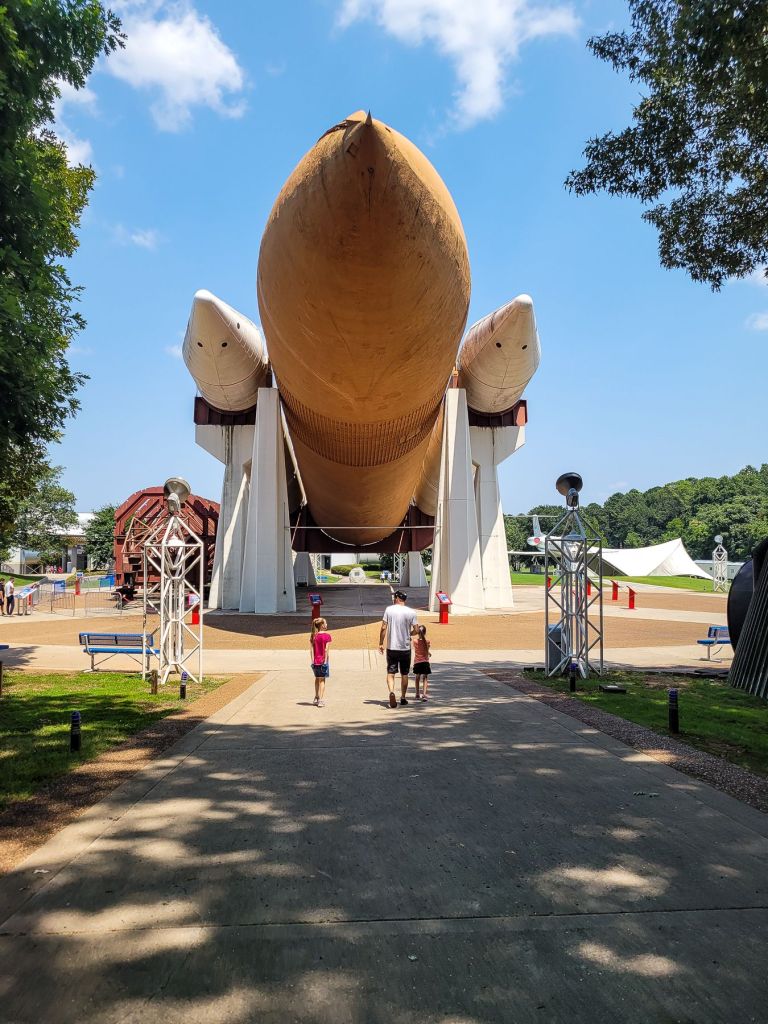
column 110, row 644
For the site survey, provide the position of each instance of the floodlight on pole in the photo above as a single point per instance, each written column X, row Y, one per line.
column 719, row 566
column 175, row 552
column 573, row 602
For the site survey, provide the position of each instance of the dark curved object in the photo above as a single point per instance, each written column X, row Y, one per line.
column 749, row 670
column 568, row 481
column 739, row 597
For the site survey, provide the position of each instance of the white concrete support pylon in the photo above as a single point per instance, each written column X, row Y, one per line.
column 267, row 583
column 456, row 563
column 490, row 447
column 232, row 445
column 304, row 570
column 414, row 571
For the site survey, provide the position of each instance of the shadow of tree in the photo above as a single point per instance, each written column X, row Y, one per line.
column 481, row 858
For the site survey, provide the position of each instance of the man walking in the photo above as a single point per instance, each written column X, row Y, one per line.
column 397, row 627
column 10, row 599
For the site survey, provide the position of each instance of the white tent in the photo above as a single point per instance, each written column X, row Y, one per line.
column 668, row 559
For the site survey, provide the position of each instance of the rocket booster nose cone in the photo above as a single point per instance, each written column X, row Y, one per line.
column 369, row 119
column 203, row 297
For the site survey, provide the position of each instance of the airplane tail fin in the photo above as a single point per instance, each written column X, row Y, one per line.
column 536, row 527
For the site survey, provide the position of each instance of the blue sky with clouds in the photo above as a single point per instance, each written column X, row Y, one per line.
column 193, row 128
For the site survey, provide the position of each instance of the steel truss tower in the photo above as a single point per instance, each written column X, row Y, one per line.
column 573, row 603
column 175, row 553
column 719, row 566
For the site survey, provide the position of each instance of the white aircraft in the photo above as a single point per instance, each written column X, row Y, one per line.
column 537, row 540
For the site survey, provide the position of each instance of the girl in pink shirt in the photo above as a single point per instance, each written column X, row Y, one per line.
column 319, row 639
column 421, row 666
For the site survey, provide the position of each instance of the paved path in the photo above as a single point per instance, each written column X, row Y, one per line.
column 480, row 858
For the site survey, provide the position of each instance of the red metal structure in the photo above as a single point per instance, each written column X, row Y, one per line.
column 141, row 512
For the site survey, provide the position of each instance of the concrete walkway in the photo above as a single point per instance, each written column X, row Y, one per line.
column 478, row 858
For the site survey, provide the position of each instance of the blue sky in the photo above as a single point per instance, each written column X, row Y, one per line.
column 645, row 377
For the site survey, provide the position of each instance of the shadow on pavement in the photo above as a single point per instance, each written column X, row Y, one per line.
column 475, row 859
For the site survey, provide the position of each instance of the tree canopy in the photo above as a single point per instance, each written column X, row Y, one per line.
column 693, row 509
column 44, row 515
column 100, row 535
column 42, row 43
column 696, row 154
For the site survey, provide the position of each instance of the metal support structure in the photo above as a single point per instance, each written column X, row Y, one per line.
column 176, row 554
column 719, row 566
column 399, row 562
column 573, row 603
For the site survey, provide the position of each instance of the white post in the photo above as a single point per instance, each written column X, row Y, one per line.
column 267, row 583
column 490, row 447
column 456, row 564
column 304, row 569
column 414, row 575
column 233, row 446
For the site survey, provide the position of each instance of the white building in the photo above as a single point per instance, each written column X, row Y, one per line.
column 71, row 559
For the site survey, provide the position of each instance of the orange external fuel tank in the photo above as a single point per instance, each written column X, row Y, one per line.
column 363, row 287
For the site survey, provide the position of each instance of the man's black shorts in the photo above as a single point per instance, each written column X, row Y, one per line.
column 398, row 662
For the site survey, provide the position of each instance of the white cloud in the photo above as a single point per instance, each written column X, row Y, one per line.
column 174, row 350
column 144, row 238
column 480, row 37
column 176, row 54
column 757, row 322
column 79, row 151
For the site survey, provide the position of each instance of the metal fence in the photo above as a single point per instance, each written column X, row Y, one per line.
column 106, row 601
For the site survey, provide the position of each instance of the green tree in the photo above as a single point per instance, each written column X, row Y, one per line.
column 44, row 515
column 697, row 150
column 42, row 43
column 100, row 536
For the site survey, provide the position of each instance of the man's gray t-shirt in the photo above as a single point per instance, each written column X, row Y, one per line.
column 399, row 619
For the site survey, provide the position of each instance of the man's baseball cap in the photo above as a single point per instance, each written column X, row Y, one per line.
column 401, row 596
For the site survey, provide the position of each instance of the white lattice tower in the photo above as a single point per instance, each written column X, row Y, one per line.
column 176, row 553
column 719, row 568
column 573, row 604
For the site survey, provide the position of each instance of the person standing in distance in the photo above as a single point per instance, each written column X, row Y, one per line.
column 10, row 598
column 397, row 626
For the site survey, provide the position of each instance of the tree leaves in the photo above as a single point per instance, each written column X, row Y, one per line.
column 697, row 152
column 42, row 42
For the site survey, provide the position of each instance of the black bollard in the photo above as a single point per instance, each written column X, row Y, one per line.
column 153, row 681
column 572, row 677
column 183, row 686
column 673, row 707
column 74, row 733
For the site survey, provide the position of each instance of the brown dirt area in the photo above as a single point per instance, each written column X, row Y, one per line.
column 27, row 824
column 714, row 603
column 276, row 632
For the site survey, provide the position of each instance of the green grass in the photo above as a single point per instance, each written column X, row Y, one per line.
column 21, row 581
column 675, row 582
column 35, row 717
column 713, row 716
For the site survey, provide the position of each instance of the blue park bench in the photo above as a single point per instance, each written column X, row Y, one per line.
column 717, row 636
column 3, row 647
column 110, row 644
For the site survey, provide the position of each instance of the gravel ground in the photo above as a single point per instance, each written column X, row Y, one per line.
column 27, row 824
column 715, row 771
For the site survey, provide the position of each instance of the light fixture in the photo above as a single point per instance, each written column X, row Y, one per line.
column 569, row 485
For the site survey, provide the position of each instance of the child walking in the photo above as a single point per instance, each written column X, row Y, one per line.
column 319, row 639
column 421, row 666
